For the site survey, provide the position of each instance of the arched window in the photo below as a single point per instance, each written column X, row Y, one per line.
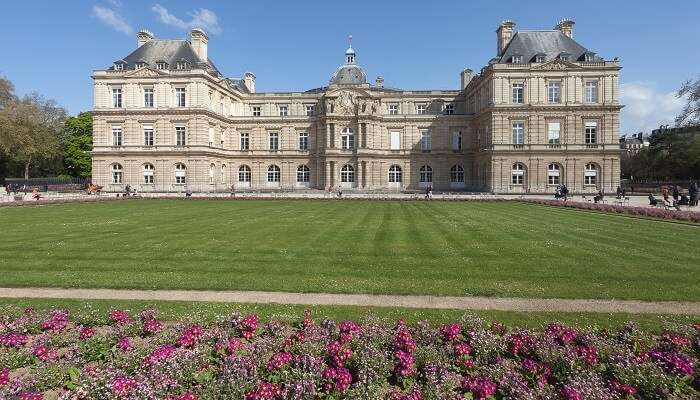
column 180, row 174
column 426, row 174
column 347, row 174
column 273, row 173
column 223, row 173
column 244, row 173
column 348, row 139
column 211, row 173
column 394, row 174
column 148, row 173
column 117, row 173
column 517, row 174
column 553, row 174
column 303, row 174
column 457, row 174
column 590, row 174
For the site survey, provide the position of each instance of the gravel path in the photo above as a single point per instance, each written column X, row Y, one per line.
column 460, row 303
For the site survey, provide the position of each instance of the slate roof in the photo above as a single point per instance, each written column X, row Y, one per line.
column 169, row 51
column 550, row 43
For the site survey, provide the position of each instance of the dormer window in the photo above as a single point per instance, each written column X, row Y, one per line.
column 140, row 65
column 588, row 57
column 181, row 65
column 118, row 66
column 539, row 58
column 517, row 59
column 565, row 56
column 161, row 65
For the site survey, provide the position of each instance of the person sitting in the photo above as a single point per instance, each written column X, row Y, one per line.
column 35, row 194
column 599, row 197
column 188, row 193
column 684, row 201
column 619, row 193
column 565, row 192
column 652, row 200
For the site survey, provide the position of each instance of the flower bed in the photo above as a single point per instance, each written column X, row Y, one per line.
column 138, row 356
column 690, row 216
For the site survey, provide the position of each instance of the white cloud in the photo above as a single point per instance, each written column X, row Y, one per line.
column 202, row 18
column 646, row 107
column 115, row 3
column 109, row 17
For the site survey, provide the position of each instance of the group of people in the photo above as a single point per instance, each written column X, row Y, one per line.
column 673, row 197
column 14, row 188
column 338, row 192
column 562, row 192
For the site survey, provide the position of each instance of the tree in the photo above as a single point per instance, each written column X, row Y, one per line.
column 690, row 115
column 7, row 90
column 30, row 129
column 78, row 144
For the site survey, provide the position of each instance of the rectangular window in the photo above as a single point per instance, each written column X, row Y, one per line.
column 393, row 109
column 211, row 136
column 553, row 132
column 457, row 141
column 284, row 110
column 517, row 59
column 554, row 92
column 274, row 141
column 421, row 108
column 148, row 97
column 161, row 65
column 425, row 140
column 116, row 136
column 256, row 111
column 449, row 108
column 310, row 110
column 518, row 93
column 119, row 67
column 518, row 130
column 303, row 141
column 180, row 136
column 245, row 141
column 591, row 132
column 395, row 140
column 591, row 92
column 117, row 98
column 148, row 135
column 180, row 96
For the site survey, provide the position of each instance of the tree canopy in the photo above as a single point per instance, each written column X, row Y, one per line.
column 690, row 115
column 78, row 144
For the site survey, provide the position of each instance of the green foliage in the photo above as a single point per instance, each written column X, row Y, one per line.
column 670, row 155
column 78, row 144
column 96, row 349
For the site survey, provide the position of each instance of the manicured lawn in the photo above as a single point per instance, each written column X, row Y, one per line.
column 440, row 248
column 208, row 312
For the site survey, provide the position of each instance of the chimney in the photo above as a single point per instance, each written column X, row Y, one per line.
column 466, row 77
column 379, row 82
column 504, row 33
column 249, row 81
column 199, row 41
column 142, row 37
column 566, row 26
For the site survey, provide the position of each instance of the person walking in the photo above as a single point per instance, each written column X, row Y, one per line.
column 675, row 193
column 8, row 189
column 693, row 192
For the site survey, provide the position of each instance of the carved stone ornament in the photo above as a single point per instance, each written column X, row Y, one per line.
column 346, row 103
column 143, row 73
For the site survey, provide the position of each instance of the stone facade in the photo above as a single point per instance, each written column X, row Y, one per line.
column 166, row 120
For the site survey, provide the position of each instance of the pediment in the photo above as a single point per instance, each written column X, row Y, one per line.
column 145, row 72
column 352, row 91
column 557, row 64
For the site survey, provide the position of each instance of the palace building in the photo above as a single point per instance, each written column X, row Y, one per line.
column 544, row 111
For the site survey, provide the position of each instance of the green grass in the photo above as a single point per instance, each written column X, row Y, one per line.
column 202, row 311
column 439, row 248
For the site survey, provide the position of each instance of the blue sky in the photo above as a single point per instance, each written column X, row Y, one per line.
column 53, row 46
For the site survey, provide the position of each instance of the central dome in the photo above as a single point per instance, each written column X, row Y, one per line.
column 349, row 73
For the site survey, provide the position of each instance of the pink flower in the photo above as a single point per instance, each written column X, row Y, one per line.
column 563, row 334
column 86, row 333
column 119, row 316
column 480, row 387
column 462, row 349
column 4, row 376
column 589, row 354
column 337, row 378
column 234, row 345
column 190, row 336
column 56, row 322
column 45, row 354
column 249, row 326
column 30, row 396
column 122, row 386
column 13, row 340
column 152, row 326
column 161, row 353
column 279, row 360
column 185, row 396
column 450, row 332
column 263, row 391
column 571, row 394
column 123, row 344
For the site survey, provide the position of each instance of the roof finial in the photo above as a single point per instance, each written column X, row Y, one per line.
column 350, row 40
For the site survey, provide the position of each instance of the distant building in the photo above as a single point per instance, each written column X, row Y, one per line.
column 633, row 144
column 689, row 131
column 543, row 112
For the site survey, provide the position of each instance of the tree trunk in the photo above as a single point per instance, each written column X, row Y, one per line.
column 26, row 170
